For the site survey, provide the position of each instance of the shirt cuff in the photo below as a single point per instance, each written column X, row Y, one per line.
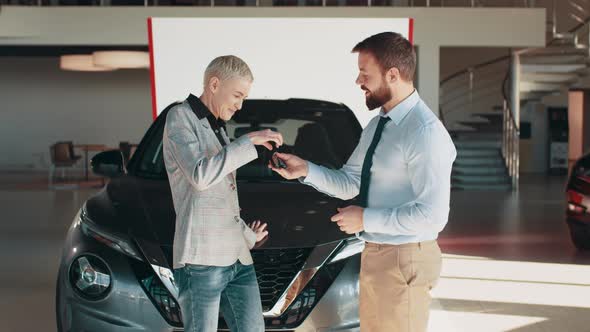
column 249, row 235
column 313, row 172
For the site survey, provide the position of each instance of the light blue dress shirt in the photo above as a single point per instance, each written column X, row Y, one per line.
column 409, row 192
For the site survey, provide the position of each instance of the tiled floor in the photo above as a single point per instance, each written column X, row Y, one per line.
column 33, row 227
column 509, row 265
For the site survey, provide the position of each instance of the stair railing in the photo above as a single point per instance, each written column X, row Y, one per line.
column 511, row 144
column 468, row 91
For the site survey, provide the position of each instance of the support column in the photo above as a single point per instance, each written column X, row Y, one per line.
column 428, row 78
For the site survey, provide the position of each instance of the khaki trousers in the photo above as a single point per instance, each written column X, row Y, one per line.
column 395, row 284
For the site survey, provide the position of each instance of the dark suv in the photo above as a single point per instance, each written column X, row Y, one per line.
column 115, row 272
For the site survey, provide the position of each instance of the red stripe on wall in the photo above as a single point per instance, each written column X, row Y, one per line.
column 152, row 69
column 411, row 32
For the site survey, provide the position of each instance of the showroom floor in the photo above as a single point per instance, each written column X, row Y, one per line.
column 508, row 265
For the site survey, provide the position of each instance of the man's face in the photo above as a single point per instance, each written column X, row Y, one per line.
column 229, row 97
column 372, row 81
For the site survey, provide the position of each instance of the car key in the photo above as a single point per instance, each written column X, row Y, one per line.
column 277, row 162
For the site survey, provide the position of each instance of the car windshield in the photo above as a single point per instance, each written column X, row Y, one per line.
column 323, row 133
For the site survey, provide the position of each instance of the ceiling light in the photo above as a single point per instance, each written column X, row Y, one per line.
column 121, row 59
column 80, row 62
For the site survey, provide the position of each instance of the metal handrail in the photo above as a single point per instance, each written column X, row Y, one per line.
column 468, row 72
column 453, row 110
column 510, row 125
column 511, row 145
column 555, row 37
column 257, row 3
column 511, row 128
column 455, row 91
column 481, row 65
column 463, row 86
column 581, row 21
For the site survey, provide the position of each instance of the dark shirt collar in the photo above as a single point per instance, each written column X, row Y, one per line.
column 203, row 112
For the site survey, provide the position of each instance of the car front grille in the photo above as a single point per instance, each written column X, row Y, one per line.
column 275, row 269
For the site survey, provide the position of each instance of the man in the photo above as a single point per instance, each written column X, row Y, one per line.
column 212, row 261
column 400, row 171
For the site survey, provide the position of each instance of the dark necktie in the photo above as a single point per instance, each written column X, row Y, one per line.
column 368, row 163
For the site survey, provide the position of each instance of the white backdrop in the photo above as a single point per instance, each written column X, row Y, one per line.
column 289, row 57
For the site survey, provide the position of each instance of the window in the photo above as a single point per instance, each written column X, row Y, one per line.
column 324, row 136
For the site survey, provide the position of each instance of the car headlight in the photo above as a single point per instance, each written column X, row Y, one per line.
column 117, row 242
column 90, row 277
column 351, row 247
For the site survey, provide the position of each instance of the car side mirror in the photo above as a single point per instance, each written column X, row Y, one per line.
column 108, row 163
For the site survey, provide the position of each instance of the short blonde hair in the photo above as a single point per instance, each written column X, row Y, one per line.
column 227, row 67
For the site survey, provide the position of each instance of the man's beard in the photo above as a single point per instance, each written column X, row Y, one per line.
column 378, row 98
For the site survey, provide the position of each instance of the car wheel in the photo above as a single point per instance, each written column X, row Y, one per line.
column 580, row 238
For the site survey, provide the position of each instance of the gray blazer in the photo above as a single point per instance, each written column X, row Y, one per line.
column 201, row 173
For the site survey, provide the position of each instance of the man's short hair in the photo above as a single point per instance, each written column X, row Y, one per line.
column 391, row 50
column 227, row 67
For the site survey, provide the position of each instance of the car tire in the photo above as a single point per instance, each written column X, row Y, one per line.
column 580, row 238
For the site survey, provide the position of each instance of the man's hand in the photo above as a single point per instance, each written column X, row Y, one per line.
column 350, row 219
column 296, row 167
column 260, row 229
column 264, row 137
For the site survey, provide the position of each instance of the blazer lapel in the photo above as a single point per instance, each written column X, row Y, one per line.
column 211, row 134
column 227, row 141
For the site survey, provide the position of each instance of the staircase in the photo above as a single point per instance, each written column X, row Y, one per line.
column 470, row 111
column 479, row 164
column 478, row 125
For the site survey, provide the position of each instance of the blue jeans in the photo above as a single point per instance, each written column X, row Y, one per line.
column 204, row 290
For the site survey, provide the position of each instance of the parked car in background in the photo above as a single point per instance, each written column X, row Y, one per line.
column 578, row 202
